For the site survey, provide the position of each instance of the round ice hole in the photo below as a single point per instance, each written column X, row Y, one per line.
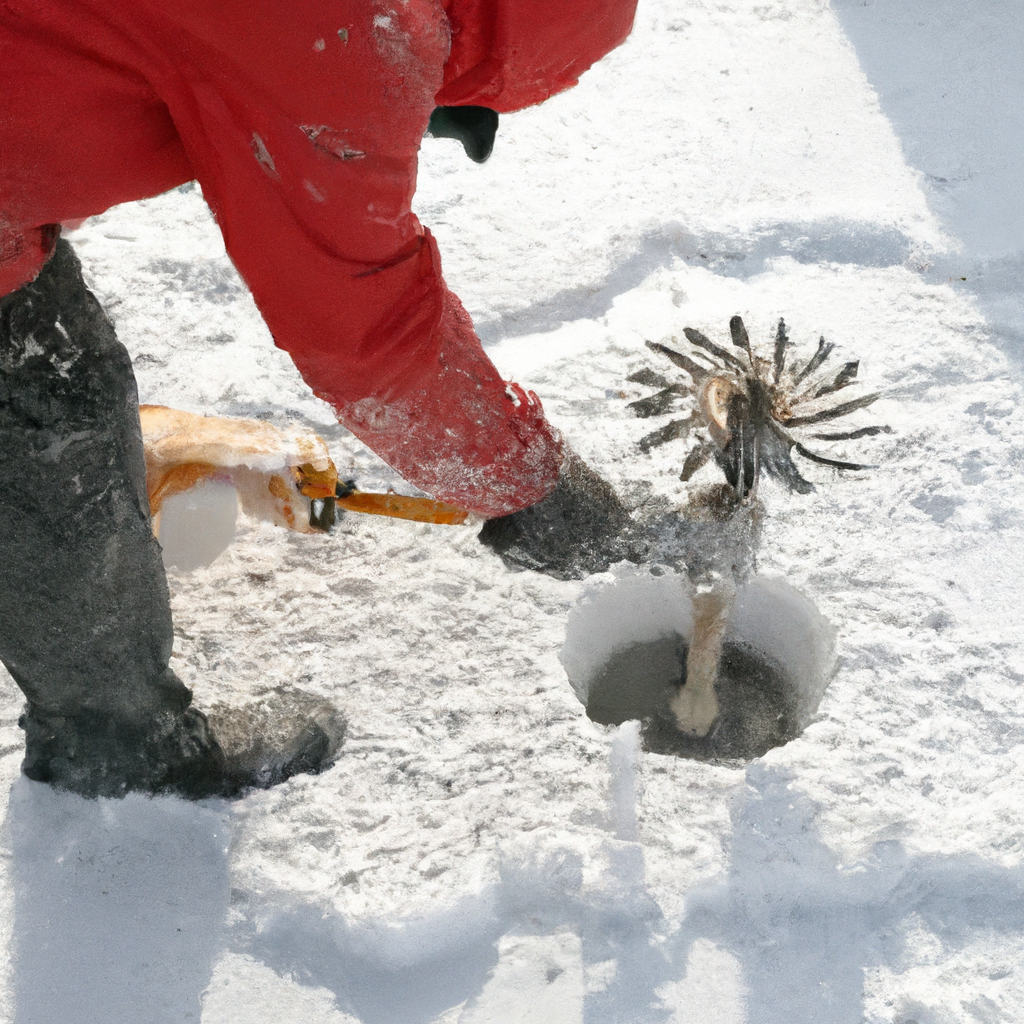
column 197, row 525
column 625, row 655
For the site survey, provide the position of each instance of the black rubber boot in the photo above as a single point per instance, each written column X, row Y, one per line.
column 85, row 621
column 290, row 733
column 95, row 755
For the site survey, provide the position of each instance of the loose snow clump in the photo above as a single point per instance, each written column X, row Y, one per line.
column 197, row 525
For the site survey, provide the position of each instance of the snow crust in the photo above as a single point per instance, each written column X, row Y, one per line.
column 482, row 851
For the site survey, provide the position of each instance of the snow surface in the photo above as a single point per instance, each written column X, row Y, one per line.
column 482, row 851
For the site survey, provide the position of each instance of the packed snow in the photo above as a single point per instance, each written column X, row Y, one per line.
column 483, row 851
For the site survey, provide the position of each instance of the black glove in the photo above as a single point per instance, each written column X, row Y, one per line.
column 580, row 528
column 474, row 127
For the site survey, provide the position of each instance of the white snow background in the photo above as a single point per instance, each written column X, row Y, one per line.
column 482, row 851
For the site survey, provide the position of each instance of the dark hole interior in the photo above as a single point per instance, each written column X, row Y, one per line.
column 757, row 700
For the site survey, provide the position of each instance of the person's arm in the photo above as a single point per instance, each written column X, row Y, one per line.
column 510, row 54
column 308, row 157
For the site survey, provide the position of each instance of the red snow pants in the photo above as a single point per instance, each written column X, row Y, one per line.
column 301, row 121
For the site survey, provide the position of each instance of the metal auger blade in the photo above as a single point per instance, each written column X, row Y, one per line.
column 655, row 405
column 834, row 463
column 781, row 344
column 695, row 370
column 738, row 458
column 670, row 432
column 777, row 462
column 704, row 342
column 835, row 412
column 852, row 435
column 740, row 338
column 649, row 378
column 824, row 351
column 844, row 378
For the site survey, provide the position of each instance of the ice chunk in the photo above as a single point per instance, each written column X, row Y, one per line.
column 622, row 763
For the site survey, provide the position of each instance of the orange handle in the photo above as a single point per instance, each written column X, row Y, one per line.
column 400, row 506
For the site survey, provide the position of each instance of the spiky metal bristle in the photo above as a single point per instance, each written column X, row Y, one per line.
column 748, row 406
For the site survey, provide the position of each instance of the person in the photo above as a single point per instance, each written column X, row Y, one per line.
column 301, row 121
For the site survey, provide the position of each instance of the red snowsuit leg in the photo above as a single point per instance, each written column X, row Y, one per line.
column 302, row 123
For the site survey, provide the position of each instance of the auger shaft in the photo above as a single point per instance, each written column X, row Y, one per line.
column 696, row 706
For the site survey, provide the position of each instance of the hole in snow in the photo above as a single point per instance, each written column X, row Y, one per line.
column 625, row 655
column 757, row 703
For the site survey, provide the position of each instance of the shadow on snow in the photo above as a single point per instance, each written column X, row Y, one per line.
column 122, row 904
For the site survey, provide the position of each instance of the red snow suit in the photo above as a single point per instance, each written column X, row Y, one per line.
column 301, row 120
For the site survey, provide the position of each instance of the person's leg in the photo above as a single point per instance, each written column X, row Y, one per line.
column 85, row 624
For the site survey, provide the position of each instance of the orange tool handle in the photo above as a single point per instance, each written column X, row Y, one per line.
column 401, row 506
